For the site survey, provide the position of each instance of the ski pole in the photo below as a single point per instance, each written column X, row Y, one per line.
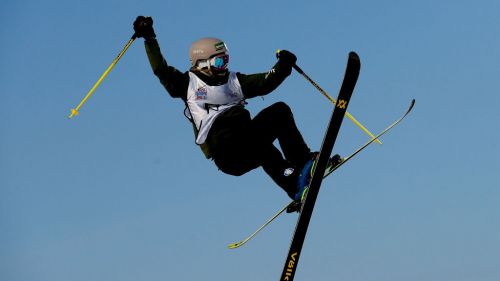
column 74, row 111
column 299, row 70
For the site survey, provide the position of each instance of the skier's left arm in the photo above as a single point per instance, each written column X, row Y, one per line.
column 261, row 84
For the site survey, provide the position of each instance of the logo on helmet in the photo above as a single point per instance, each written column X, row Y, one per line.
column 220, row 46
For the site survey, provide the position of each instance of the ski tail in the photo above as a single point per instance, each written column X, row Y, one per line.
column 244, row 241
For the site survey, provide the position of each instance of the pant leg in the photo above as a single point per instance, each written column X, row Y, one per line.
column 277, row 122
column 241, row 161
column 251, row 146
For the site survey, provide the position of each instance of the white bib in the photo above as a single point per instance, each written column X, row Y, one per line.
column 205, row 103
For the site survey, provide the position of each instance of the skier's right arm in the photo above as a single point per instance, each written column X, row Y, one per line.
column 174, row 81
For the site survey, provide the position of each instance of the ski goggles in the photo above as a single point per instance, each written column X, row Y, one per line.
column 219, row 62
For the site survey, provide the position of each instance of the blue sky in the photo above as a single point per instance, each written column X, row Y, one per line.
column 122, row 193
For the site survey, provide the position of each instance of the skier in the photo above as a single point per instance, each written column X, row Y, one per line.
column 215, row 104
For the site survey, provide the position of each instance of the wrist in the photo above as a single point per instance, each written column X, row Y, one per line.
column 149, row 39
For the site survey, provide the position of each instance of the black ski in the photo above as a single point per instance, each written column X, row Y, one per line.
column 346, row 90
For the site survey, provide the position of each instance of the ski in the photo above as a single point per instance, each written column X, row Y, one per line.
column 346, row 91
column 327, row 173
column 244, row 241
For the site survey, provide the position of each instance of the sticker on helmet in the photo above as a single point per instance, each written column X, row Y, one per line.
column 219, row 46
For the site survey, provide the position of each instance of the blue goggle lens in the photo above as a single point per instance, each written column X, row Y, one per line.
column 219, row 62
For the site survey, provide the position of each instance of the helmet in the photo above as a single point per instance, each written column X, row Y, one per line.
column 205, row 49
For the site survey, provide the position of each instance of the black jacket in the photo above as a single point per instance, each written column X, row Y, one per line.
column 176, row 83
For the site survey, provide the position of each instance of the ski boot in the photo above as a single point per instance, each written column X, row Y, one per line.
column 305, row 178
column 333, row 162
column 302, row 183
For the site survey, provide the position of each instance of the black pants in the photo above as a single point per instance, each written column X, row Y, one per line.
column 242, row 144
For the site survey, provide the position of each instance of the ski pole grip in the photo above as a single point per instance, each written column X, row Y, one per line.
column 295, row 66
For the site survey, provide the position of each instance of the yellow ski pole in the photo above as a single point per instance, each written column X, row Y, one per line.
column 299, row 70
column 74, row 111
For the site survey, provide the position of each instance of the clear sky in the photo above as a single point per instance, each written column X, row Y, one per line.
column 122, row 193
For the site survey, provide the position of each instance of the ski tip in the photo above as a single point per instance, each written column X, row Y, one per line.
column 234, row 245
column 412, row 104
column 354, row 62
column 353, row 55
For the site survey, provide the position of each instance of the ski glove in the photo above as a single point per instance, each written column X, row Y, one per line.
column 286, row 57
column 143, row 27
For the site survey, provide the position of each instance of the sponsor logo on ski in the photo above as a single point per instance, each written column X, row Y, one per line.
column 342, row 104
column 291, row 266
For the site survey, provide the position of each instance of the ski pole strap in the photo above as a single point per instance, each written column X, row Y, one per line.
column 356, row 122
